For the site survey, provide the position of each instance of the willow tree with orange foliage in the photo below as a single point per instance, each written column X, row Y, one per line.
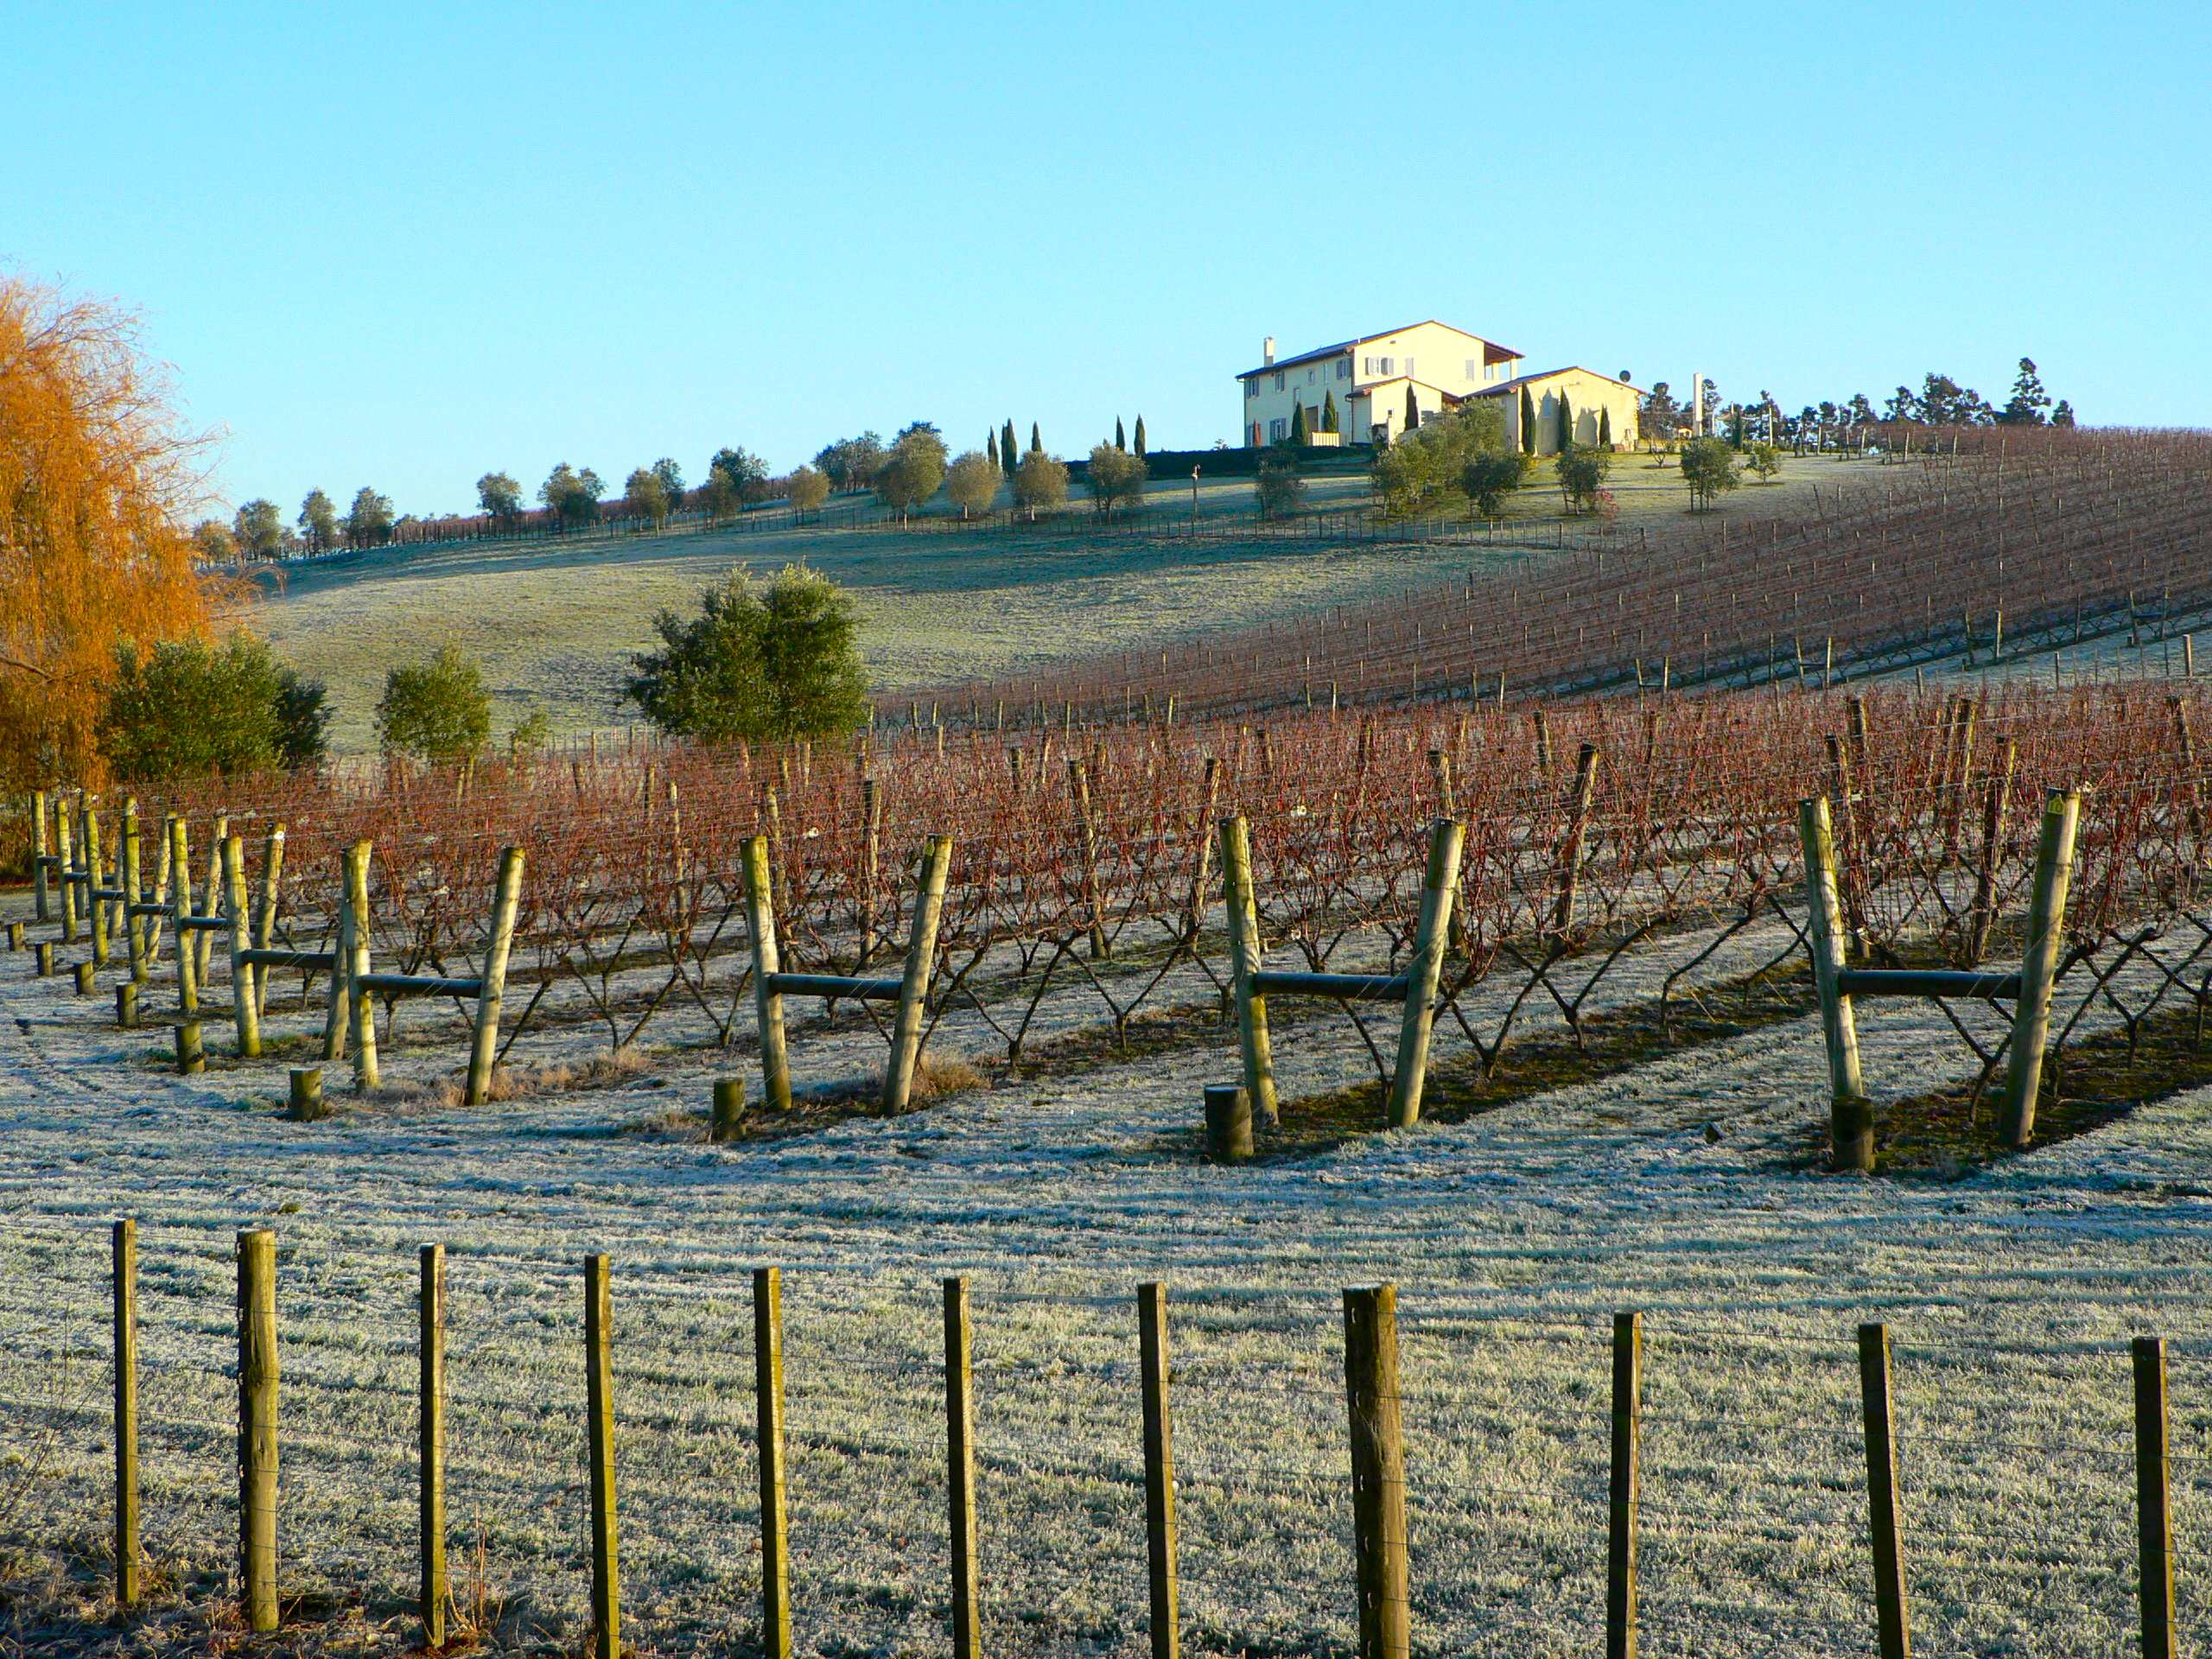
column 98, row 479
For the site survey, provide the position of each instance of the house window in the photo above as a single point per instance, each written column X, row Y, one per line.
column 1251, row 388
column 1278, row 382
column 1278, row 430
column 1343, row 368
column 1310, row 373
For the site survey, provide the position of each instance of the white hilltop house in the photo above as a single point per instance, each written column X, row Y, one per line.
column 1368, row 381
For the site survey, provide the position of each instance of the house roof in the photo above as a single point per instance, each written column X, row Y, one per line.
column 1492, row 352
column 1519, row 381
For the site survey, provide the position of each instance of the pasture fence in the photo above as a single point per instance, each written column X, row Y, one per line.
column 1493, row 1468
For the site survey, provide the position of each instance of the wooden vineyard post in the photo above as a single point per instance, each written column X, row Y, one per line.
column 360, row 1005
column 431, row 1443
column 599, row 1410
column 484, row 1048
column 1087, row 848
column 767, row 1004
column 190, row 1057
column 1846, row 847
column 1996, row 799
column 1379, row 1472
column 1578, row 826
column 128, row 1558
column 1243, row 905
column 257, row 1257
column 264, row 916
column 726, row 1117
column 1882, row 1518
column 960, row 1475
column 134, row 925
column 341, row 973
column 1202, row 876
column 1446, row 838
column 41, row 903
column 768, row 1405
column 96, row 909
column 2154, row 1526
column 64, row 851
column 1851, row 1115
column 1158, row 1473
column 1229, row 1124
column 1625, row 1486
column 915, row 984
column 243, row 1010
column 203, row 939
column 2061, row 817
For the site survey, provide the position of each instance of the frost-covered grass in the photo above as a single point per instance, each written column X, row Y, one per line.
column 1513, row 1237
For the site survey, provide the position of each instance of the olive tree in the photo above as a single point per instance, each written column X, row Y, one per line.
column 972, row 483
column 1041, row 481
column 1115, row 478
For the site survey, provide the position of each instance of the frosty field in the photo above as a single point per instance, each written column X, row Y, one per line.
column 1513, row 1237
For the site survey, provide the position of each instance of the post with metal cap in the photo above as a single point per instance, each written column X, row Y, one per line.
column 1241, row 900
column 257, row 1259
column 915, row 984
column 1883, row 1517
column 1446, row 838
column 2061, row 817
column 1379, row 1472
column 1851, row 1115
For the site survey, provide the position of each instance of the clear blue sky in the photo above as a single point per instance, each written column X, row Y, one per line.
column 402, row 244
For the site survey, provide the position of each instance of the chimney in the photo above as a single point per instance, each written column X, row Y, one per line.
column 1697, row 405
column 1267, row 349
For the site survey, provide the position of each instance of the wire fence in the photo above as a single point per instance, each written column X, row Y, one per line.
column 2020, row 1460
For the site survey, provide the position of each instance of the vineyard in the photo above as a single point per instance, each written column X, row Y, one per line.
column 1617, row 853
column 2007, row 543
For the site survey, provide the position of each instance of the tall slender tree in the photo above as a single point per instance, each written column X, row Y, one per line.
column 1605, row 428
column 1140, row 448
column 1036, row 443
column 1008, row 459
column 1121, row 438
column 1413, row 409
column 1565, row 419
column 1328, row 411
column 991, row 447
column 1297, row 424
column 1528, row 423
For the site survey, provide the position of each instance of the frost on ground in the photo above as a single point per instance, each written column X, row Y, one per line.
column 1512, row 1238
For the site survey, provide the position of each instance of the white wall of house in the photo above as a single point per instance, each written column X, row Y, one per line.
column 1586, row 395
column 1437, row 358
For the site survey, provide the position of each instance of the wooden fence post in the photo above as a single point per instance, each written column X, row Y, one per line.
column 1626, row 1486
column 431, row 1310
column 341, row 1014
column 258, row 1374
column 1158, row 1473
column 360, row 1004
column 768, row 1405
column 264, row 917
column 960, row 1475
column 1087, row 850
column 1228, row 1122
column 1882, row 1518
column 133, row 926
column 1997, row 798
column 1577, row 828
column 1202, row 874
column 768, row 1004
column 40, row 904
column 1379, row 1472
column 485, row 1047
column 243, row 1013
column 96, row 908
column 2061, row 817
column 127, row 1555
column 726, row 1117
column 1446, row 838
column 2154, row 1527
column 1851, row 1115
column 599, row 1408
column 65, row 850
column 915, row 984
column 1245, row 957
column 204, row 940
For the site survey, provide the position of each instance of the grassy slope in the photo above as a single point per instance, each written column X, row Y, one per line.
column 555, row 624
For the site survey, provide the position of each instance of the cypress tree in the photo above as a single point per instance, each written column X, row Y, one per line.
column 1605, row 428
column 1413, row 409
column 1328, row 411
column 1298, row 424
column 1566, row 420
column 1528, row 423
column 1121, row 438
column 1035, row 443
column 1140, row 435
column 1007, row 457
column 991, row 447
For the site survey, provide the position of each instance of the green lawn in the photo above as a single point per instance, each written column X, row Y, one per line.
column 554, row 624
